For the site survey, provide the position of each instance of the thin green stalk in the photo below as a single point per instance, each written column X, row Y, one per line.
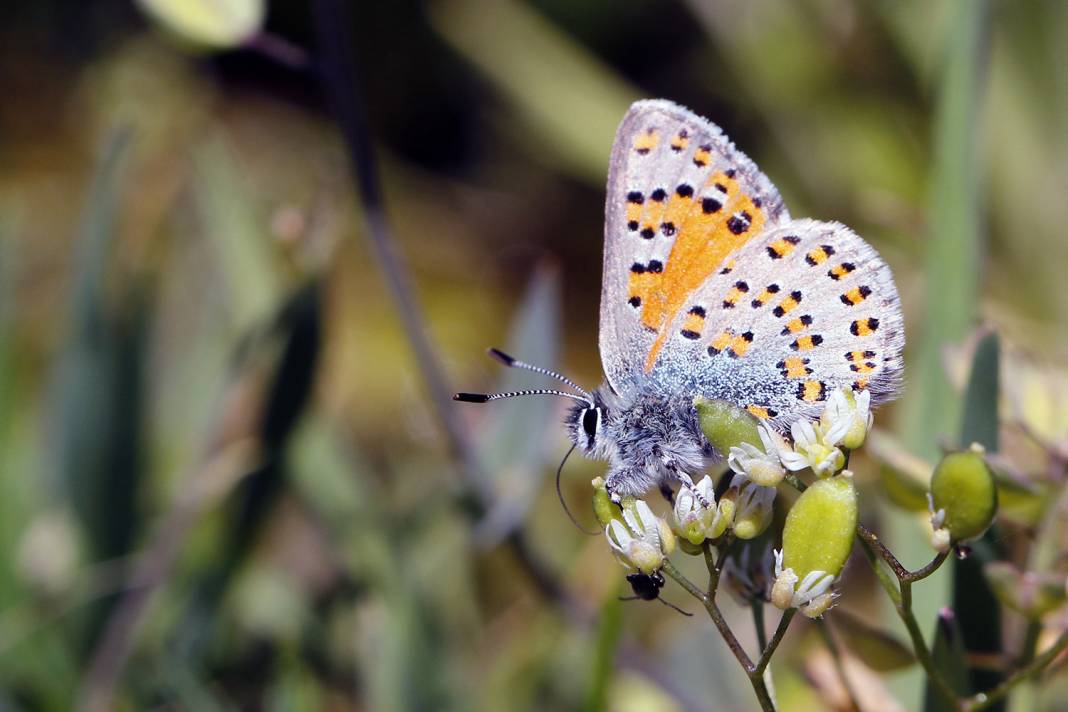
column 780, row 632
column 901, row 594
column 755, row 672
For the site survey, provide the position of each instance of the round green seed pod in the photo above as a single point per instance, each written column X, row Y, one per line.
column 820, row 527
column 963, row 486
column 725, row 425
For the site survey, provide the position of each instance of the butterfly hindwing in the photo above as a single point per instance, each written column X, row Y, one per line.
column 681, row 199
column 805, row 308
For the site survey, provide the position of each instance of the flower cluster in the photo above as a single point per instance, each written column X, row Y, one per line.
column 641, row 540
column 818, row 445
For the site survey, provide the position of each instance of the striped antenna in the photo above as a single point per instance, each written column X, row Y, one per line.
column 487, row 397
column 516, row 363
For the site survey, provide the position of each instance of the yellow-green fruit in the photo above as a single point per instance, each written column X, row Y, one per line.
column 820, row 527
column 725, row 425
column 963, row 486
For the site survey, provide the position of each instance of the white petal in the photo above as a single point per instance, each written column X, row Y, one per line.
column 648, row 519
column 794, row 461
column 803, row 432
column 771, row 440
column 707, row 489
column 838, row 429
column 618, row 536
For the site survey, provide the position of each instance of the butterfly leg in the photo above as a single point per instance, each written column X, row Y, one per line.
column 684, row 479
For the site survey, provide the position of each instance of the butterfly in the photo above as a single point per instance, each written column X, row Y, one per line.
column 710, row 289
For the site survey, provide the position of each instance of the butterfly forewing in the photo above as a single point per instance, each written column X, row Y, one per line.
column 681, row 200
column 805, row 308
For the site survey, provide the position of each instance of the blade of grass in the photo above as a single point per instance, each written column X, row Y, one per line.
column 977, row 608
column 955, row 232
column 931, row 409
column 526, row 57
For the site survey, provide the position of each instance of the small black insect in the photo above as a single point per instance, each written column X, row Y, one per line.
column 647, row 587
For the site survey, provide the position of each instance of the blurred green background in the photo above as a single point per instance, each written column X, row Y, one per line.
column 224, row 483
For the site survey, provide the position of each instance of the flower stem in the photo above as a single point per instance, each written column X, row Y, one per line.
column 901, row 594
column 780, row 632
column 755, row 672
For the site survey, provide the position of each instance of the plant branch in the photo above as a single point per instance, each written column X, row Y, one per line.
column 780, row 632
column 754, row 671
column 983, row 700
column 713, row 612
column 901, row 594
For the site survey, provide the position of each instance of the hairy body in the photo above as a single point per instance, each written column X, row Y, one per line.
column 649, row 438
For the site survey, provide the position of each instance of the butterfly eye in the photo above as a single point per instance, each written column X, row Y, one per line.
column 591, row 420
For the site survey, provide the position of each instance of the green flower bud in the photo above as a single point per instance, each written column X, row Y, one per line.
column 752, row 506
column 1026, row 592
column 603, row 506
column 964, row 495
column 725, row 425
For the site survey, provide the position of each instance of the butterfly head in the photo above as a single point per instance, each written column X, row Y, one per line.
column 585, row 424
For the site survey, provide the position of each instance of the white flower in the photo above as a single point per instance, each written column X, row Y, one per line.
column 761, row 466
column 752, row 507
column 812, row 596
column 940, row 538
column 694, row 521
column 812, row 448
column 642, row 542
column 847, row 418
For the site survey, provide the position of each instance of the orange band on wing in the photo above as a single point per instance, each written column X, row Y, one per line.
column 705, row 231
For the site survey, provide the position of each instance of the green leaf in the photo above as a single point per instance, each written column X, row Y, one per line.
column 955, row 241
column 878, row 649
column 981, row 397
column 609, row 627
column 948, row 653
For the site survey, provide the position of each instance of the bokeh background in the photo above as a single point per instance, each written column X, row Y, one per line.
column 225, row 481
